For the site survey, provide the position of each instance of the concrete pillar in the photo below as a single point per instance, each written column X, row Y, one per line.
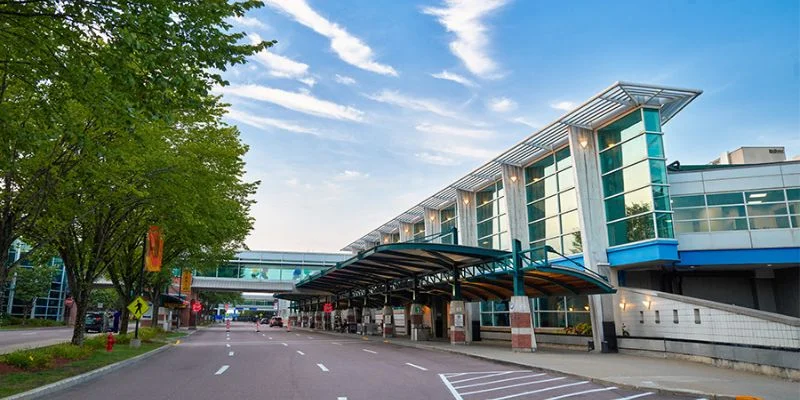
column 406, row 231
column 594, row 237
column 415, row 317
column 467, row 218
column 293, row 320
column 433, row 225
column 522, row 337
column 516, row 203
column 457, row 321
column 318, row 320
column 351, row 319
column 388, row 328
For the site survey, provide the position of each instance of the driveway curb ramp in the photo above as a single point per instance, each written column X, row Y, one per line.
column 87, row 376
column 659, row 390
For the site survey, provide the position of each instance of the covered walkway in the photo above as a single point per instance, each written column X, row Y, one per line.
column 429, row 280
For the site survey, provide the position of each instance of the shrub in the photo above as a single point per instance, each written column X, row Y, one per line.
column 69, row 351
column 95, row 342
column 28, row 359
column 148, row 334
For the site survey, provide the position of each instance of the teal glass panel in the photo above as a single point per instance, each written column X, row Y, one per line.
column 563, row 159
column 539, row 253
column 486, row 306
column 631, row 203
column 691, row 226
column 626, row 179
column 652, row 120
column 542, row 188
column 631, row 230
column 734, row 224
column 769, row 222
column 419, row 228
column 573, row 243
column 664, row 225
column 484, row 211
column 565, row 179
column 795, row 221
column 543, row 208
column 793, row 194
column 655, row 146
column 766, row 209
column 620, row 130
column 724, row 198
column 690, row 213
column 688, row 201
column 626, row 154
column 569, row 222
column 447, row 239
column 447, row 213
column 661, row 198
column 658, row 172
column 794, row 207
column 228, row 271
column 484, row 197
column 486, row 319
column 486, row 228
column 764, row 196
column 536, row 231
column 540, row 169
column 726, row 212
column 568, row 200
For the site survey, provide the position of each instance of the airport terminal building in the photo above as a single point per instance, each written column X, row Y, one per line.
column 699, row 260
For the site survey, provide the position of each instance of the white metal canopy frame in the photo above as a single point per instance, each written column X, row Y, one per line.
column 616, row 100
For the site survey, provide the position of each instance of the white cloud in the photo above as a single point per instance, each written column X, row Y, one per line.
column 350, row 175
column 301, row 102
column 249, row 22
column 449, row 76
column 262, row 122
column 455, row 131
column 348, row 47
column 563, row 105
column 401, row 100
column 463, row 150
column 293, row 182
column 502, row 104
column 280, row 66
column 436, row 159
column 525, row 121
column 464, row 19
column 345, row 80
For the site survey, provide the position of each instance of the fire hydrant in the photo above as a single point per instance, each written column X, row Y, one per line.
column 110, row 342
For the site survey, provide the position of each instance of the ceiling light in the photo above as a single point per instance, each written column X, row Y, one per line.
column 757, row 195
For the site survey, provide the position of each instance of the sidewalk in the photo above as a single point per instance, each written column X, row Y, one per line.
column 650, row 373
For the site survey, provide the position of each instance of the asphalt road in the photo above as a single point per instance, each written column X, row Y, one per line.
column 13, row 339
column 275, row 364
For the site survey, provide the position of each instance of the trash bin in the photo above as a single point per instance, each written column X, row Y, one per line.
column 476, row 331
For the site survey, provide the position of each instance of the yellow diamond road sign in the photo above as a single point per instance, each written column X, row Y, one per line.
column 138, row 307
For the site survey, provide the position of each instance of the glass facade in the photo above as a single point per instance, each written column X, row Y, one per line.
column 247, row 272
column 553, row 203
column 494, row 313
column 492, row 217
column 737, row 211
column 419, row 230
column 548, row 312
column 634, row 178
column 447, row 221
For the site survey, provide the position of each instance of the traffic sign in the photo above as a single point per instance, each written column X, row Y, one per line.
column 197, row 307
column 327, row 307
column 138, row 307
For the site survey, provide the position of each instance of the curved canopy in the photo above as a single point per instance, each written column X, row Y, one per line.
column 484, row 274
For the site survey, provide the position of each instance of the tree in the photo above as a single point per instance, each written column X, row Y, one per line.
column 107, row 297
column 32, row 283
column 116, row 84
column 211, row 300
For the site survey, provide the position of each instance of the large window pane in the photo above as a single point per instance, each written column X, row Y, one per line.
column 766, row 209
column 569, row 222
column 794, row 207
column 652, row 120
column 795, row 221
column 540, row 169
column 563, row 158
column 536, row 231
column 632, row 203
column 691, row 226
column 568, row 200
column 485, row 228
column 769, row 222
column 552, row 227
column 658, row 172
column 764, row 196
column 625, row 154
column 484, row 211
column 631, row 230
column 688, row 201
column 664, row 225
column 724, row 198
column 793, row 194
column 620, row 130
column 542, row 188
column 629, row 178
column 726, row 212
column 737, row 224
column 690, row 213
column 655, row 147
column 573, row 243
column 543, row 208
column 661, row 198
column 565, row 180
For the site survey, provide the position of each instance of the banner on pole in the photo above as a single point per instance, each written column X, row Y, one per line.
column 155, row 245
column 186, row 282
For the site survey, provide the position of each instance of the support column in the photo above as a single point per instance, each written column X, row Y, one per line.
column 467, row 218
column 433, row 225
column 523, row 338
column 415, row 315
column 406, row 231
column 516, row 204
column 456, row 318
column 388, row 328
column 594, row 238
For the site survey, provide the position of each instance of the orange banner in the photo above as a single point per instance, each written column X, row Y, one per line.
column 155, row 246
column 186, row 281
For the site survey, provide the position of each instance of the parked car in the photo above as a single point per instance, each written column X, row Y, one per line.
column 276, row 321
column 94, row 322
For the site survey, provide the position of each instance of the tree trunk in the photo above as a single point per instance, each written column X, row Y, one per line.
column 124, row 318
column 81, row 297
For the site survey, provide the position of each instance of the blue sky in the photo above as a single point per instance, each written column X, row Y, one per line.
column 366, row 107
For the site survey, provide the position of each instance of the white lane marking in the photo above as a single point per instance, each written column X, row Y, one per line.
column 227, row 338
column 264, row 334
column 370, row 351
column 541, row 390
column 270, row 338
column 322, row 367
column 311, row 338
column 297, row 334
column 416, row 366
column 230, row 354
column 227, row 345
column 515, row 385
column 30, row 333
column 285, row 344
column 486, row 376
column 301, row 353
column 564, row 396
column 338, row 344
column 341, row 398
column 501, row 380
column 450, row 387
column 636, row 396
column 222, row 370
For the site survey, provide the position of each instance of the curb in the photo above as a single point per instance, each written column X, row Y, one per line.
column 85, row 377
column 527, row 366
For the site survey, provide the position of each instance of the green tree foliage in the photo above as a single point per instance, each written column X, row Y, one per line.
column 107, row 297
column 32, row 283
column 210, row 300
column 107, row 120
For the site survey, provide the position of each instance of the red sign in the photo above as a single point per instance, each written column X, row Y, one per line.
column 327, row 307
column 197, row 307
